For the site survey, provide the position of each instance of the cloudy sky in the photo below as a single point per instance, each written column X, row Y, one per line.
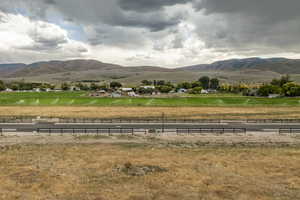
column 165, row 33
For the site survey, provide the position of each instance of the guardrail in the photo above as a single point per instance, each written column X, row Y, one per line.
column 290, row 131
column 16, row 119
column 96, row 131
column 273, row 121
column 112, row 131
column 29, row 119
column 146, row 120
column 210, row 130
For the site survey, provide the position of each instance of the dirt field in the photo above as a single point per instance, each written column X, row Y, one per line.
column 105, row 168
column 140, row 112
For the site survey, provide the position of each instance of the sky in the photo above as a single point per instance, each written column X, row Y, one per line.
column 167, row 33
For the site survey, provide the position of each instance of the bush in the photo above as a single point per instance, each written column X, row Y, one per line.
column 266, row 90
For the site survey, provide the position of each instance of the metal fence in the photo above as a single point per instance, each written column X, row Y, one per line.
column 132, row 131
column 74, row 131
column 28, row 119
column 291, row 131
column 138, row 120
column 16, row 119
column 210, row 130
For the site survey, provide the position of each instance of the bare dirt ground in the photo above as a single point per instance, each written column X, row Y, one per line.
column 144, row 112
column 163, row 140
column 149, row 168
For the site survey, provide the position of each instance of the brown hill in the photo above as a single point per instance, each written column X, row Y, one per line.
column 247, row 70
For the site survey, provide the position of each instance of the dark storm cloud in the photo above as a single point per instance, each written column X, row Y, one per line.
column 252, row 25
column 148, row 5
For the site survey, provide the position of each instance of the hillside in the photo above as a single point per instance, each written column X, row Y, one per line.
column 6, row 69
column 277, row 65
column 234, row 70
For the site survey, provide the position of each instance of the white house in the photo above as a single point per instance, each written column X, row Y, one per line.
column 204, row 92
column 148, row 87
column 182, row 90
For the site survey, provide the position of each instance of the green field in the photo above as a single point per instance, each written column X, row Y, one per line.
column 81, row 99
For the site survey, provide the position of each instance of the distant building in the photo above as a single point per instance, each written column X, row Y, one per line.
column 148, row 87
column 101, row 93
column 36, row 89
column 182, row 90
column 204, row 92
column 271, row 96
column 212, row 91
column 116, row 95
column 128, row 92
column 74, row 88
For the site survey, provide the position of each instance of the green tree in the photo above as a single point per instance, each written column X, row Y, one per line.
column 147, row 82
column 196, row 90
column 115, row 85
column 205, row 80
column 266, row 90
column 214, row 83
column 165, row 89
column 196, row 84
column 282, row 81
column 184, row 85
column 2, row 86
column 94, row 87
column 291, row 89
column 65, row 86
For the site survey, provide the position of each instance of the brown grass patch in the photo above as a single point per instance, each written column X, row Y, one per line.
column 65, row 172
column 142, row 112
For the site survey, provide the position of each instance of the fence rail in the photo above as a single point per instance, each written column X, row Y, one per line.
column 289, row 131
column 28, row 119
column 210, row 130
column 149, row 120
column 97, row 131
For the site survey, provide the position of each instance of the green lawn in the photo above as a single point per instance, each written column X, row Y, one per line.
column 80, row 99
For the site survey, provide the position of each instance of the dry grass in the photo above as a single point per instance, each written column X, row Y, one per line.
column 140, row 112
column 76, row 172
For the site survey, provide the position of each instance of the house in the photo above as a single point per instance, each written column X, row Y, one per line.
column 36, row 89
column 128, row 92
column 271, row 96
column 74, row 88
column 182, row 90
column 212, row 91
column 116, row 95
column 148, row 87
column 204, row 92
column 8, row 90
column 101, row 93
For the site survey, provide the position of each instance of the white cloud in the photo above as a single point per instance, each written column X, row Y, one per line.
column 28, row 40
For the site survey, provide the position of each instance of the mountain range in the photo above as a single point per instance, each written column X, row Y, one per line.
column 247, row 70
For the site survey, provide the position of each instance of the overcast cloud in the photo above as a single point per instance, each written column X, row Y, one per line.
column 148, row 32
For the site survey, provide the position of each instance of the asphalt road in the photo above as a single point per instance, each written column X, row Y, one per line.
column 248, row 127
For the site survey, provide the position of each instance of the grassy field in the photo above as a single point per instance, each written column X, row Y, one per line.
column 214, row 106
column 88, row 171
column 81, row 99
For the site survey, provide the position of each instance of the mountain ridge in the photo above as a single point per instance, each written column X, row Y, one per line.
column 81, row 69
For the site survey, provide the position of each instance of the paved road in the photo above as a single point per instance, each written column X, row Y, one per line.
column 249, row 127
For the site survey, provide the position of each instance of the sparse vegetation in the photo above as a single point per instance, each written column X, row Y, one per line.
column 88, row 171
